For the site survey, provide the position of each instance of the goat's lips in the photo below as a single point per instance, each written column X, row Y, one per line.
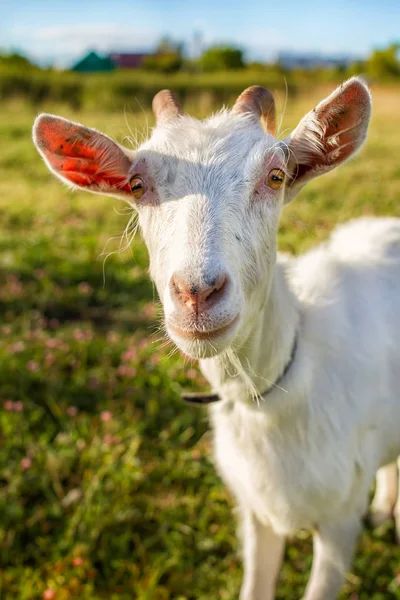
column 196, row 334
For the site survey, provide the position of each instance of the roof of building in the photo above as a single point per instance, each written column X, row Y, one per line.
column 127, row 60
column 92, row 62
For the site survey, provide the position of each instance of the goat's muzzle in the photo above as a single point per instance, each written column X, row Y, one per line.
column 195, row 298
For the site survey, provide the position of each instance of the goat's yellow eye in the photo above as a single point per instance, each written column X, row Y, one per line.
column 138, row 187
column 276, row 179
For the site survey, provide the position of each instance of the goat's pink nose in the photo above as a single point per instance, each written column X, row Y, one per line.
column 192, row 297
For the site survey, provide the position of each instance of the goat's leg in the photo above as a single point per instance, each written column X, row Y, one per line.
column 334, row 545
column 262, row 553
column 385, row 495
column 396, row 511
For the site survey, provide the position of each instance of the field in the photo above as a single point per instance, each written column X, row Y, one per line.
column 107, row 489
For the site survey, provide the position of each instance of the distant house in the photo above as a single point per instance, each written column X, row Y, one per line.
column 127, row 61
column 292, row 60
column 93, row 63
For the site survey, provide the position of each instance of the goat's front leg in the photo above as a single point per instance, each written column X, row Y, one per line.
column 262, row 553
column 334, row 545
column 385, row 494
column 397, row 507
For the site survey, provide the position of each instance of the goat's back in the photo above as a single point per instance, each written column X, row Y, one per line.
column 349, row 290
column 367, row 239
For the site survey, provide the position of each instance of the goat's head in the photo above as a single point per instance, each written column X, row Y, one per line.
column 209, row 195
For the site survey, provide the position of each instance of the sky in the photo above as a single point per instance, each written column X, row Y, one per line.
column 59, row 32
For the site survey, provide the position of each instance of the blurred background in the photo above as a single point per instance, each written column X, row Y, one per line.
column 107, row 489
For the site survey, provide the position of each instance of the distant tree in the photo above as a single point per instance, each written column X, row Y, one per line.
column 221, row 58
column 167, row 58
column 356, row 68
column 384, row 63
column 16, row 60
column 163, row 63
column 169, row 46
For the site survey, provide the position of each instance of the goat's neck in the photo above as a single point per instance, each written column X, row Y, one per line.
column 265, row 348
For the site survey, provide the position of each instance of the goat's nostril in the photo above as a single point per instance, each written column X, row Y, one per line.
column 191, row 296
column 215, row 289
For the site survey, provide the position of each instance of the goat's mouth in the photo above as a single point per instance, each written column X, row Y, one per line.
column 197, row 334
column 202, row 343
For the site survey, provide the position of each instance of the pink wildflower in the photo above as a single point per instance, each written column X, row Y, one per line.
column 85, row 288
column 26, row 463
column 52, row 343
column 16, row 347
column 110, row 439
column 32, row 366
column 79, row 335
column 129, row 354
column 126, row 371
column 191, row 374
column 112, row 337
column 106, row 416
column 49, row 359
column 150, row 311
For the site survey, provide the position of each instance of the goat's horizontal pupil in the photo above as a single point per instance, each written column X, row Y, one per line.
column 276, row 178
column 137, row 187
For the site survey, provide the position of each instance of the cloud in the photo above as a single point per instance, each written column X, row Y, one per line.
column 76, row 39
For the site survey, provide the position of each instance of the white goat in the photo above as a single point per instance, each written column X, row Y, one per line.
column 302, row 352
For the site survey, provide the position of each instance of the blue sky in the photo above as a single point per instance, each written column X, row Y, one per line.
column 58, row 31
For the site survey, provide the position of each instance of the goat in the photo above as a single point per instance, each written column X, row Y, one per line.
column 303, row 352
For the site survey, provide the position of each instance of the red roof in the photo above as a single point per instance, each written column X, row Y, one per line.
column 127, row 61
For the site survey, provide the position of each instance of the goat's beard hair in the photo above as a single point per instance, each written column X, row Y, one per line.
column 231, row 366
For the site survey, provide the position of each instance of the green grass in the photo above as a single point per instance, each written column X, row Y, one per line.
column 116, row 90
column 107, row 489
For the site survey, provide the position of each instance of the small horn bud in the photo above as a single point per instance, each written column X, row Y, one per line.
column 258, row 101
column 166, row 106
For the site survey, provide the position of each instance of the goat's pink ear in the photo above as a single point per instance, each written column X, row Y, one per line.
column 82, row 157
column 328, row 135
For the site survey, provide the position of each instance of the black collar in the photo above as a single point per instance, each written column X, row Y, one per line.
column 210, row 397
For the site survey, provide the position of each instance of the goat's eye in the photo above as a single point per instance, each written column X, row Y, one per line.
column 138, row 187
column 276, row 179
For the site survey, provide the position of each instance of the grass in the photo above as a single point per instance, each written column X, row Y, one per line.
column 115, row 90
column 107, row 489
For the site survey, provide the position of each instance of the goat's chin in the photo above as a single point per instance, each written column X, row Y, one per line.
column 198, row 349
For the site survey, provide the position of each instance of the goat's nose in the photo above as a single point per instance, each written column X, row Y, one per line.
column 193, row 297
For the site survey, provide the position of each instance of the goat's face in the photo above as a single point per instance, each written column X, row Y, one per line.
column 209, row 196
column 211, row 227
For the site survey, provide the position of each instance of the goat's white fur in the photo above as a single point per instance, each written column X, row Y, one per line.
column 304, row 456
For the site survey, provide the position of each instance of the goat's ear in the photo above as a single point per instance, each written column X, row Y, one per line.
column 328, row 135
column 83, row 157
